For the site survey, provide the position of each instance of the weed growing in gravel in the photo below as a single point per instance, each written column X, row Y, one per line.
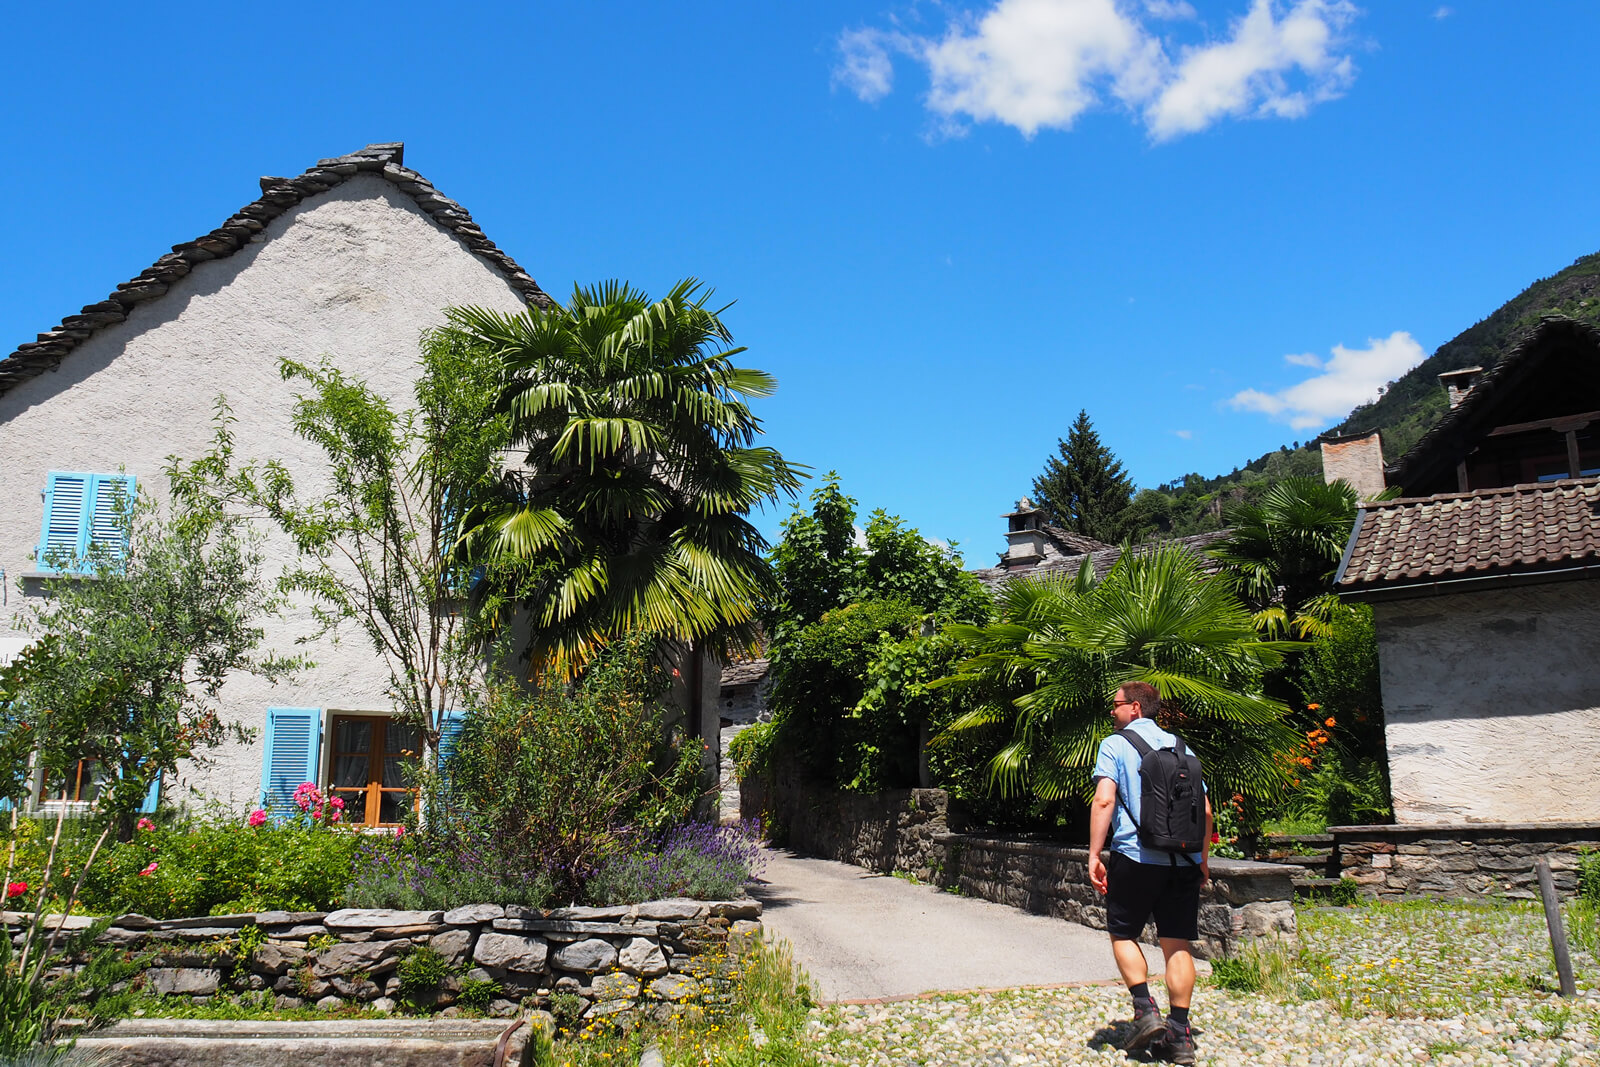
column 1268, row 967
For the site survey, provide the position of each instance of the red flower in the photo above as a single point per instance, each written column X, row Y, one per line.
column 1216, row 838
column 15, row 889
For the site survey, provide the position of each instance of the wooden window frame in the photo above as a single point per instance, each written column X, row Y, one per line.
column 374, row 789
column 82, row 778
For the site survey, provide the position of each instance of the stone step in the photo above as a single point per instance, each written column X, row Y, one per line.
column 1318, row 860
column 1307, row 840
column 300, row 1043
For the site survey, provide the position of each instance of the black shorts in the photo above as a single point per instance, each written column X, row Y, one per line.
column 1137, row 891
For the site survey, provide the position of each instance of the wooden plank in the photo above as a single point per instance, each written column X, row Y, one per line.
column 1561, row 424
column 1558, row 930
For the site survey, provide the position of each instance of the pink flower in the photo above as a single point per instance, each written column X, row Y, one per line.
column 150, row 869
column 338, row 803
column 337, row 817
column 258, row 817
column 145, row 824
column 15, row 889
column 399, row 832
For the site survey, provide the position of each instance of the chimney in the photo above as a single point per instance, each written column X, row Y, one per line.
column 1458, row 383
column 1024, row 535
column 1358, row 459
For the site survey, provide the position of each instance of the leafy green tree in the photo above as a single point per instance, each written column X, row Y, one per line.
column 641, row 468
column 1084, row 488
column 1047, row 668
column 128, row 661
column 816, row 563
column 377, row 537
column 1283, row 552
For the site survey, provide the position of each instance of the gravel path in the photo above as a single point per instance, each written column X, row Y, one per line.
column 1461, row 986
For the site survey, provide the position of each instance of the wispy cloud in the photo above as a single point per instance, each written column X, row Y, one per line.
column 1349, row 377
column 1443, row 12
column 1185, row 434
column 1040, row 64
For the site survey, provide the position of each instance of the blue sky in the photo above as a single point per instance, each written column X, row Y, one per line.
column 947, row 226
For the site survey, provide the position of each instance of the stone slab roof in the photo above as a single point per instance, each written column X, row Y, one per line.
column 1103, row 558
column 1521, row 530
column 277, row 196
column 745, row 672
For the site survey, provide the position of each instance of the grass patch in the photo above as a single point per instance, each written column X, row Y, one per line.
column 1294, row 826
column 1270, row 967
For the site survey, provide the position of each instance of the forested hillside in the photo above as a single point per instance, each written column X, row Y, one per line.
column 1405, row 411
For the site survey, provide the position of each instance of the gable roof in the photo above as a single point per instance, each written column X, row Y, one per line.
column 277, row 196
column 1527, row 532
column 1449, row 439
column 1102, row 558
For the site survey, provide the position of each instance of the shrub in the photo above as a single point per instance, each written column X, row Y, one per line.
column 697, row 860
column 1589, row 876
column 421, row 971
column 476, row 993
column 751, row 750
column 219, row 864
column 558, row 778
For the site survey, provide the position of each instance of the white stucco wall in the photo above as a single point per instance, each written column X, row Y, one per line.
column 356, row 273
column 1492, row 704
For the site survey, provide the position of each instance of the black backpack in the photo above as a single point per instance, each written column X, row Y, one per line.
column 1172, row 797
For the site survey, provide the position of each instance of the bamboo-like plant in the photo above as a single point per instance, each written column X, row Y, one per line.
column 1063, row 644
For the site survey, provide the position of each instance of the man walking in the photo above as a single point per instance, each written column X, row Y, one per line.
column 1140, row 882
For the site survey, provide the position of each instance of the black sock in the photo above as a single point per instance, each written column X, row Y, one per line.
column 1141, row 996
column 1178, row 1015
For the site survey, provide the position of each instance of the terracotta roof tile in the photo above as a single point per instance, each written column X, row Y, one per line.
column 1519, row 529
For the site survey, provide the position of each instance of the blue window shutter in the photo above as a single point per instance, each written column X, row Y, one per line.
column 450, row 723
column 152, row 798
column 63, row 529
column 103, row 526
column 291, row 755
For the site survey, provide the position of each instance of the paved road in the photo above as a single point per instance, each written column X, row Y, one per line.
column 863, row 935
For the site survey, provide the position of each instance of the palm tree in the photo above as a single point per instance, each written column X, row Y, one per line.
column 1283, row 551
column 1050, row 666
column 641, row 467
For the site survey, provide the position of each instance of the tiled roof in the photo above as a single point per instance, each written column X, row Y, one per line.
column 1103, row 559
column 745, row 672
column 1517, row 530
column 277, row 196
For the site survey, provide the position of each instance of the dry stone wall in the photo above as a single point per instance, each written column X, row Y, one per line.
column 592, row 963
column 1458, row 862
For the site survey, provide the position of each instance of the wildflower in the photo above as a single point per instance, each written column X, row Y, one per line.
column 1313, row 707
column 149, row 870
column 145, row 824
column 258, row 817
column 1330, row 723
column 15, row 889
column 399, row 832
column 1216, row 838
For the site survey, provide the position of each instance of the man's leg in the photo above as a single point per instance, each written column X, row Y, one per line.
column 1180, row 970
column 1131, row 962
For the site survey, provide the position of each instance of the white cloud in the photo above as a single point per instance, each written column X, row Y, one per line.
column 1303, row 359
column 1248, row 75
column 1351, row 376
column 1172, row 10
column 864, row 66
column 1443, row 12
column 1040, row 64
column 1185, row 434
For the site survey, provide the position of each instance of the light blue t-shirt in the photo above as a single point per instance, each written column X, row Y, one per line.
column 1119, row 761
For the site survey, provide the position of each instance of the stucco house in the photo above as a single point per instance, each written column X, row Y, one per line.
column 1482, row 581
column 352, row 259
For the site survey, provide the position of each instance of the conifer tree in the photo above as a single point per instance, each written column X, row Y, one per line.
column 1085, row 489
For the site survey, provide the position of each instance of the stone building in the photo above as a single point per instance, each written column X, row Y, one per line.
column 353, row 260
column 1482, row 586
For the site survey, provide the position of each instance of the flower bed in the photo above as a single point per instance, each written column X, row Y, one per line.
column 577, row 963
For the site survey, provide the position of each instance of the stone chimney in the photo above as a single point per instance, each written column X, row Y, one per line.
column 1025, row 536
column 1458, row 383
column 1358, row 459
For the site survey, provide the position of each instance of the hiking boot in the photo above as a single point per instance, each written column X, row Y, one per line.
column 1147, row 1023
column 1174, row 1046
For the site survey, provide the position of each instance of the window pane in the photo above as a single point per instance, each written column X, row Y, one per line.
column 394, row 771
column 349, row 771
column 394, row 806
column 403, row 739
column 353, row 735
column 355, row 804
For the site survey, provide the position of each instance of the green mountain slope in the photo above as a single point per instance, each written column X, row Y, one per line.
column 1405, row 411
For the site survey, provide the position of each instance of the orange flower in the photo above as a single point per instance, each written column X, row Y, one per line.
column 1313, row 707
column 1304, row 761
column 1331, row 723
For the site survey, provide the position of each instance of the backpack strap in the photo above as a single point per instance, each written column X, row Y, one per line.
column 1140, row 745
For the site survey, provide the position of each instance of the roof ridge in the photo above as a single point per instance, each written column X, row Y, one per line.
column 278, row 195
column 1498, row 490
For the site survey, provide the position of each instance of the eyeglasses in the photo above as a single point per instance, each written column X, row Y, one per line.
column 1119, row 703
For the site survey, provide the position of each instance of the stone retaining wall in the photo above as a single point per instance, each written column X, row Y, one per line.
column 597, row 962
column 910, row 831
column 1462, row 861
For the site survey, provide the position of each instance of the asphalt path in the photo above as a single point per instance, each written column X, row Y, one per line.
column 866, row 936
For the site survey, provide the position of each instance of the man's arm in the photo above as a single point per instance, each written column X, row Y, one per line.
column 1100, row 812
column 1205, row 849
